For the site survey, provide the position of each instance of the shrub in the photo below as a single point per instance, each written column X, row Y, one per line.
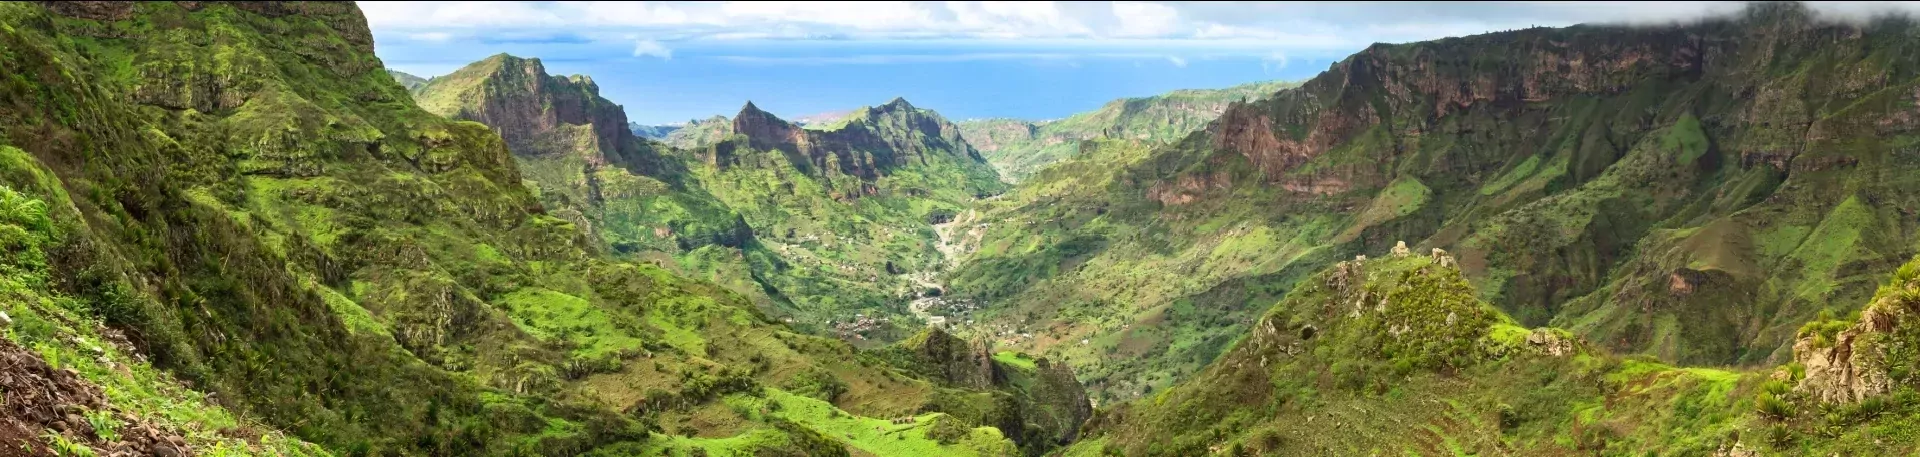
column 1771, row 401
column 947, row 430
column 818, row 383
column 1508, row 417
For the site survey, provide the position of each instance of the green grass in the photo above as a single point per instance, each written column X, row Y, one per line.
column 556, row 316
column 1830, row 244
column 1014, row 359
column 1686, row 137
column 59, row 330
column 879, row 436
column 1519, row 172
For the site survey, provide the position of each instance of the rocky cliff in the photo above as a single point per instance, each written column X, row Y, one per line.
column 636, row 195
column 1695, row 191
column 539, row 114
column 1850, row 361
column 955, row 361
column 1038, row 401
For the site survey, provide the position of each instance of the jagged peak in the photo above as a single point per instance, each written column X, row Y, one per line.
column 754, row 111
column 585, row 82
column 751, row 114
column 501, row 63
column 897, row 103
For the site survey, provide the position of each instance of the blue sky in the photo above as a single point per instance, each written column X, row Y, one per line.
column 673, row 61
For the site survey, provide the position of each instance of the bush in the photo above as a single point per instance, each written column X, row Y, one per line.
column 1771, row 401
column 1508, row 417
column 818, row 383
column 1772, row 407
column 947, row 430
column 1779, row 436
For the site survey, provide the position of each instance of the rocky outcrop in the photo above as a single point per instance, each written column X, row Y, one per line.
column 954, row 361
column 1056, row 387
column 1552, row 342
column 1047, row 406
column 542, row 115
column 1189, row 187
column 1851, row 365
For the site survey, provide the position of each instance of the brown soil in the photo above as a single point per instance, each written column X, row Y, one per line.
column 36, row 399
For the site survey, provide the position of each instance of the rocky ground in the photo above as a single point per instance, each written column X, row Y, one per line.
column 44, row 409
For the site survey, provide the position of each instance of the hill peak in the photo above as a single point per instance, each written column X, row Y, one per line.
column 753, row 113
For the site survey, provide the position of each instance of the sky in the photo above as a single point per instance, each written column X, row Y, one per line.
column 668, row 62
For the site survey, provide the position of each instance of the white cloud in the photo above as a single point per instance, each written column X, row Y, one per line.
column 1177, row 61
column 1186, row 29
column 1274, row 62
column 1142, row 19
column 642, row 48
column 437, row 37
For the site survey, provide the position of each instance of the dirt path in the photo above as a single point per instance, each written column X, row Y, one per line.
column 957, row 238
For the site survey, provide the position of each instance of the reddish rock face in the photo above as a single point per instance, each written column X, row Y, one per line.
column 539, row 114
column 532, row 110
column 1416, row 85
column 1188, row 188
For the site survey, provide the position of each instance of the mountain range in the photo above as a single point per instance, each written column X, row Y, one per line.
column 229, row 229
column 1019, row 148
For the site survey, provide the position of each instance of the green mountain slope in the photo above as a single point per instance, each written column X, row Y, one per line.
column 574, row 146
column 311, row 253
column 1396, row 355
column 699, row 133
column 648, row 200
column 1019, row 148
column 819, row 225
column 410, row 82
column 652, row 132
column 846, row 215
column 1694, row 192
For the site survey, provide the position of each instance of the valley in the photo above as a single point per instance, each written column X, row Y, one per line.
column 232, row 229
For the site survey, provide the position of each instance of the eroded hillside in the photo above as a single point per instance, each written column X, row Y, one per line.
column 1692, row 191
column 1396, row 355
column 245, row 194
